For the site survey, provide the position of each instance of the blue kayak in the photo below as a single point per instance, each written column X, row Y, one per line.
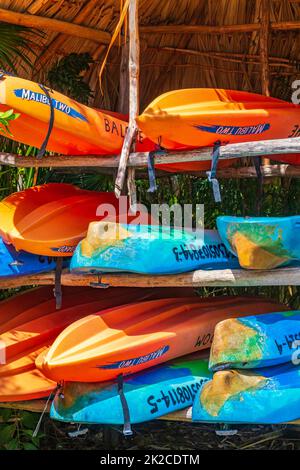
column 18, row 263
column 263, row 396
column 256, row 341
column 261, row 242
column 149, row 249
column 149, row 394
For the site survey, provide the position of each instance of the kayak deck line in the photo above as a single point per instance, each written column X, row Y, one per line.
column 185, row 415
column 140, row 159
column 201, row 278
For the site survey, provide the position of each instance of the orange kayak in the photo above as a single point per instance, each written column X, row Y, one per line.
column 198, row 117
column 134, row 337
column 51, row 219
column 77, row 129
column 25, row 363
column 28, row 385
column 39, row 323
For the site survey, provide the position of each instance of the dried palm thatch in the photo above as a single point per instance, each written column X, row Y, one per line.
column 242, row 44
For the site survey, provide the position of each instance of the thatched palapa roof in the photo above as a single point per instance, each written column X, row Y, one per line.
column 243, row 44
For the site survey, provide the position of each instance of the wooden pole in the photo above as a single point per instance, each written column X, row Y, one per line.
column 225, row 29
column 264, row 46
column 59, row 26
column 289, row 276
column 276, row 147
column 264, row 52
column 123, row 98
column 134, row 72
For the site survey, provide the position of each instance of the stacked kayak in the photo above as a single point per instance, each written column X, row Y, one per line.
column 199, row 117
column 51, row 219
column 261, row 242
column 149, row 249
column 149, row 394
column 19, row 263
column 256, row 341
column 264, row 396
column 77, row 129
column 257, row 378
column 128, row 339
column 29, row 323
column 177, row 120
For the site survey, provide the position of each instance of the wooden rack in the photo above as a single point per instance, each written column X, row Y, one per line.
column 135, row 161
column 214, row 278
column 38, row 406
column 140, row 159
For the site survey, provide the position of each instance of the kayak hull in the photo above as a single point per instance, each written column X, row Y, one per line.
column 34, row 220
column 256, row 341
column 134, row 337
column 198, row 117
column 265, row 396
column 30, row 385
column 261, row 242
column 150, row 250
column 77, row 129
column 37, row 323
column 14, row 263
column 149, row 395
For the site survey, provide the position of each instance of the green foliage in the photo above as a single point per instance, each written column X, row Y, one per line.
column 16, row 429
column 5, row 118
column 15, row 41
column 65, row 76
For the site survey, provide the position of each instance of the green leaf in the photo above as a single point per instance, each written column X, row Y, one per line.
column 5, row 413
column 6, row 114
column 13, row 445
column 6, row 433
column 29, row 420
column 29, row 446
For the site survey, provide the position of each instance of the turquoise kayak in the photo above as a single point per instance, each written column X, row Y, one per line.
column 261, row 242
column 149, row 395
column 264, row 396
column 149, row 249
column 19, row 263
column 256, row 341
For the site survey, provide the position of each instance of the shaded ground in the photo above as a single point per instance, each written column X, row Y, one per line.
column 162, row 435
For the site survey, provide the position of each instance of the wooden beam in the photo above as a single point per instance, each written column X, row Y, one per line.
column 268, row 171
column 228, row 56
column 134, row 97
column 264, row 46
column 185, row 415
column 226, row 29
column 289, row 276
column 199, row 29
column 41, row 22
column 123, row 96
column 140, row 159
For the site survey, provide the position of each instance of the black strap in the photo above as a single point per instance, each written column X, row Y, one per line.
column 57, row 287
column 127, row 431
column 257, row 164
column 4, row 72
column 151, row 172
column 51, row 123
column 213, row 171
